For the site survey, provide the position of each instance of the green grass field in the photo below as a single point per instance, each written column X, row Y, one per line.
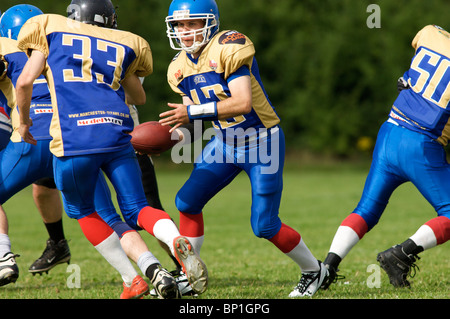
column 241, row 266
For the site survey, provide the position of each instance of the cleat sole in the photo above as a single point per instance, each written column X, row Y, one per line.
column 194, row 268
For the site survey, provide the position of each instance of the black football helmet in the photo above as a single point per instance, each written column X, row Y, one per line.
column 97, row 12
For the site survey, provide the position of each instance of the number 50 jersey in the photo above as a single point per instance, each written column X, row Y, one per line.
column 425, row 106
column 84, row 69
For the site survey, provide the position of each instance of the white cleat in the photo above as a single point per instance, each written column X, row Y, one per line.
column 9, row 272
column 310, row 282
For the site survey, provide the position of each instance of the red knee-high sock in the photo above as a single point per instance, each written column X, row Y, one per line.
column 441, row 228
column 191, row 225
column 95, row 228
column 357, row 223
column 290, row 242
column 149, row 216
column 286, row 239
column 108, row 245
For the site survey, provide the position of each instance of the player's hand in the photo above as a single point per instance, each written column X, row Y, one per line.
column 402, row 84
column 24, row 131
column 2, row 66
column 176, row 117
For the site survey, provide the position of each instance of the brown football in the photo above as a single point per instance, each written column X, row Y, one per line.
column 152, row 138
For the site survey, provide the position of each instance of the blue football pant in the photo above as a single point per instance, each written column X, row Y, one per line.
column 212, row 173
column 4, row 138
column 76, row 177
column 21, row 164
column 402, row 155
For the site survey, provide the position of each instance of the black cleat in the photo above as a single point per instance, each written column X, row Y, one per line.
column 54, row 254
column 331, row 263
column 9, row 272
column 398, row 265
column 332, row 278
column 165, row 284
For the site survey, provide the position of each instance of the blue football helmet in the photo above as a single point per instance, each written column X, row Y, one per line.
column 205, row 10
column 14, row 18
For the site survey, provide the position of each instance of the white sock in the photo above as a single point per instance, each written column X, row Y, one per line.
column 5, row 244
column 112, row 251
column 145, row 260
column 166, row 231
column 343, row 241
column 304, row 258
column 424, row 237
column 197, row 243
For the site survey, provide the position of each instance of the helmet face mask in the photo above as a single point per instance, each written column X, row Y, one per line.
column 184, row 10
column 14, row 18
column 97, row 12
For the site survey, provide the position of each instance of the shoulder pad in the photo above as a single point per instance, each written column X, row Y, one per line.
column 176, row 56
column 232, row 37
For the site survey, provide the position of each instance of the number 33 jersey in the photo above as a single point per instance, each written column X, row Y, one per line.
column 424, row 107
column 84, row 69
column 206, row 79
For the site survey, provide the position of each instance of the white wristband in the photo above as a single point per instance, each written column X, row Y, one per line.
column 207, row 111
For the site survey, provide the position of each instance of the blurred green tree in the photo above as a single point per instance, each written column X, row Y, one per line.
column 331, row 77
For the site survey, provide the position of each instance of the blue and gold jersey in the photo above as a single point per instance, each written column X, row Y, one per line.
column 425, row 106
column 41, row 108
column 206, row 79
column 85, row 67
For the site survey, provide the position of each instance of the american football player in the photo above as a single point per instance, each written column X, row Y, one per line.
column 15, row 160
column 409, row 148
column 5, row 120
column 217, row 75
column 101, row 65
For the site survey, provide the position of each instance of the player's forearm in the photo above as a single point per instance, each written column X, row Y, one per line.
column 134, row 91
column 23, row 95
column 240, row 101
column 232, row 107
column 24, row 86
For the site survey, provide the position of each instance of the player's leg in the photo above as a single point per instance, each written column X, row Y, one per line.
column 149, row 181
column 267, row 186
column 9, row 271
column 150, row 184
column 211, row 174
column 137, row 213
column 20, row 165
column 431, row 175
column 48, row 202
column 78, row 197
column 132, row 201
column 381, row 181
column 5, row 243
column 133, row 244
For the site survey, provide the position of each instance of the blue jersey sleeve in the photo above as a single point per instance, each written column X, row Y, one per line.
column 243, row 70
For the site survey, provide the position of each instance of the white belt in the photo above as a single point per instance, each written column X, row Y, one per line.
column 391, row 120
column 264, row 134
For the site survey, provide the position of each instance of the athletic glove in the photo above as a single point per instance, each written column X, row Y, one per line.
column 402, row 84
